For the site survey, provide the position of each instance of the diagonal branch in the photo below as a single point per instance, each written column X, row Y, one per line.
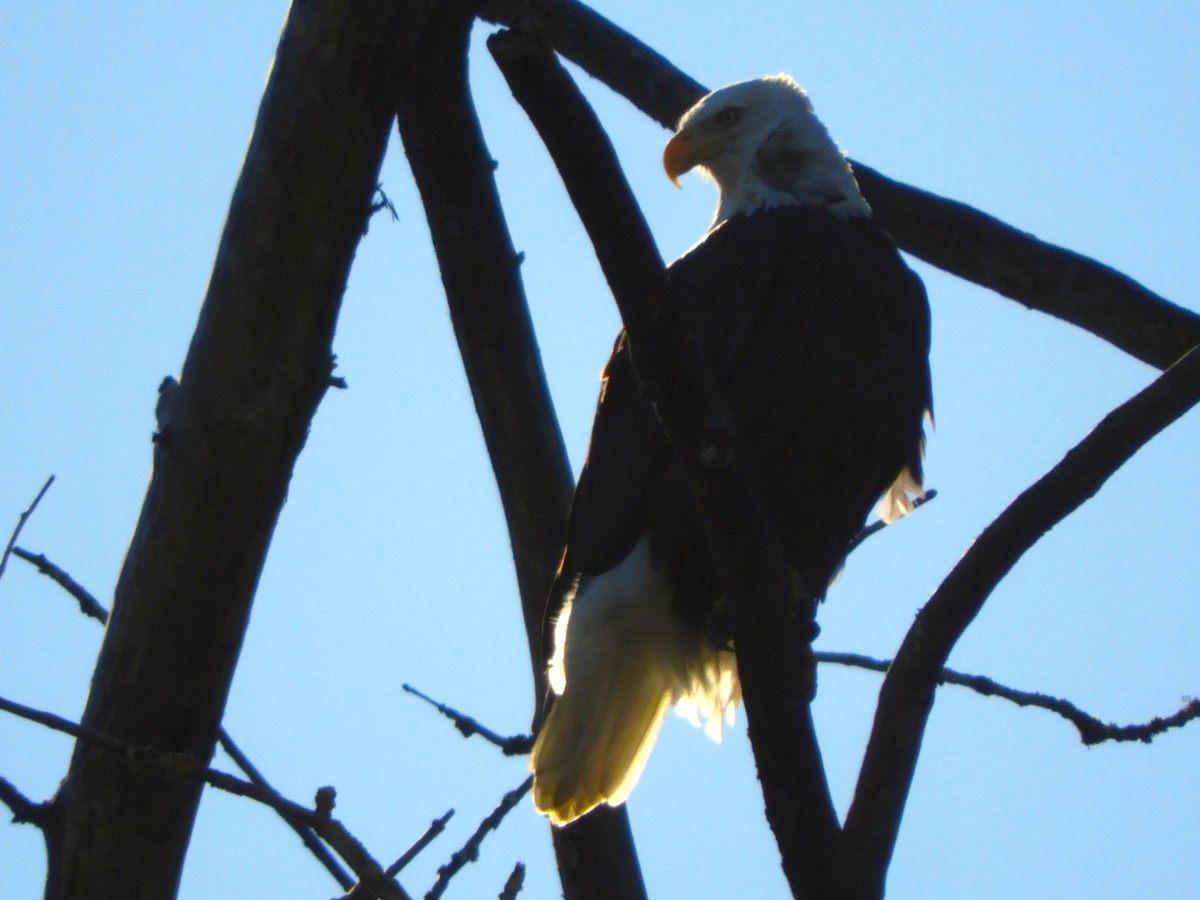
column 93, row 609
column 907, row 693
column 469, row 852
column 514, row 745
column 774, row 656
column 481, row 273
column 24, row 810
column 230, row 430
column 21, row 520
column 453, row 172
column 947, row 234
column 88, row 604
column 980, row 248
column 178, row 766
column 1091, row 729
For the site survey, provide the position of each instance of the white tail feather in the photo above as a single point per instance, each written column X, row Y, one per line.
column 620, row 659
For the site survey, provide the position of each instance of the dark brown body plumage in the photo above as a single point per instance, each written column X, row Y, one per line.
column 818, row 335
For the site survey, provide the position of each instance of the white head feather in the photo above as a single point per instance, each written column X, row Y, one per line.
column 764, row 147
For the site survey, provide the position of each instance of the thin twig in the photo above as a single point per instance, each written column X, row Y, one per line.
column 302, row 829
column 470, row 850
column 878, row 525
column 516, row 745
column 24, row 517
column 1091, row 729
column 515, row 882
column 88, row 604
column 435, row 828
column 24, row 810
column 180, row 766
column 92, row 608
column 363, row 892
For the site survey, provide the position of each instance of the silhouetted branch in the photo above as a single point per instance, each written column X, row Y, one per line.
column 470, row 850
column 364, row 892
column 302, row 828
column 1091, row 729
column 480, row 270
column 230, row 429
column 907, row 693
column 21, row 520
column 878, row 525
column 515, row 745
column 180, row 766
column 515, row 882
column 943, row 232
column 24, row 810
column 980, row 248
column 88, row 604
column 92, row 608
column 774, row 656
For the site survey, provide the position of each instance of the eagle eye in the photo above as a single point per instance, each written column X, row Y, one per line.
column 729, row 116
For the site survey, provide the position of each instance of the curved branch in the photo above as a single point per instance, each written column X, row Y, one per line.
column 947, row 234
column 774, row 656
column 481, row 274
column 907, row 693
column 453, row 172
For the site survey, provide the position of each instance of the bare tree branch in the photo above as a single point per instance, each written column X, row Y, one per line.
column 980, row 248
column 774, row 656
column 93, row 609
column 516, row 745
column 479, row 266
column 88, row 604
column 302, row 828
column 1091, row 729
column 180, row 767
column 907, row 693
column 515, row 882
column 481, row 273
column 470, row 850
column 947, row 234
column 24, row 810
column 21, row 520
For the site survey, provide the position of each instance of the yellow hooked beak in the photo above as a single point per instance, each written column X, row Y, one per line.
column 679, row 156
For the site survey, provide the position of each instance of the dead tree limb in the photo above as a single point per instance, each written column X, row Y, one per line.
column 479, row 267
column 481, row 273
column 229, row 433
column 774, row 656
column 945, row 233
column 906, row 697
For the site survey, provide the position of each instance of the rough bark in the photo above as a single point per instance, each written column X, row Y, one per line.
column 229, row 433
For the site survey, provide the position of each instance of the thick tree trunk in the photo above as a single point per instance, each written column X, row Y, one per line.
column 229, row 434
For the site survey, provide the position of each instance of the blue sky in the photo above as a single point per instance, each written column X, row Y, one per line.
column 123, row 132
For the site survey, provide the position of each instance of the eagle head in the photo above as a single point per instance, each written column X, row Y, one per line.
column 762, row 144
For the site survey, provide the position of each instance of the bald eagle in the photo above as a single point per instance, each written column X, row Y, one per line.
column 817, row 334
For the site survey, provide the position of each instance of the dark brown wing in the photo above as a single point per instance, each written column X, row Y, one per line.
column 819, row 336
